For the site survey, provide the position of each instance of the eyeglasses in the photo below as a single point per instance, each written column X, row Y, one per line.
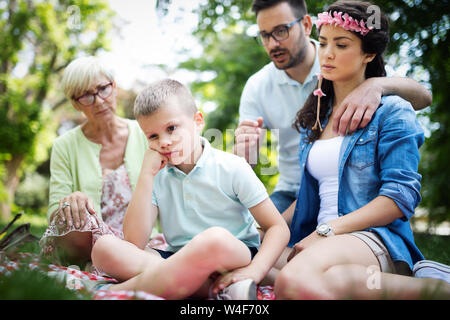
column 103, row 92
column 279, row 34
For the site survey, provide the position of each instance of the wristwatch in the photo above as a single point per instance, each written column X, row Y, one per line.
column 324, row 230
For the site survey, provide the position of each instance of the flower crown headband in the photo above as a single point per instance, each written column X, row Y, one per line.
column 344, row 21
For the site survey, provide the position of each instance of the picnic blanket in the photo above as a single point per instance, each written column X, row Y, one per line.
column 85, row 282
column 88, row 284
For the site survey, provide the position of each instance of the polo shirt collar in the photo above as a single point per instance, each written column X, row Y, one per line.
column 205, row 154
column 200, row 162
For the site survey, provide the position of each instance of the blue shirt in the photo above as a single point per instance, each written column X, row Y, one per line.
column 273, row 95
column 379, row 160
column 217, row 192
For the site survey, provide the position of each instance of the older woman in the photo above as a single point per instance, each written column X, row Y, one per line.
column 94, row 167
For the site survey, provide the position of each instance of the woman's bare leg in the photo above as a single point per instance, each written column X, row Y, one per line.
column 344, row 267
column 359, row 282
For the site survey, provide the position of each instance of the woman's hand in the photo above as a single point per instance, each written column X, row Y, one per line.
column 73, row 210
column 304, row 243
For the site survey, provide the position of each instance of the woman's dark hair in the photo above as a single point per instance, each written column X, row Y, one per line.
column 298, row 6
column 375, row 41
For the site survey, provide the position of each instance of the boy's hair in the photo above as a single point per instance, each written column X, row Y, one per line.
column 298, row 6
column 156, row 95
column 81, row 74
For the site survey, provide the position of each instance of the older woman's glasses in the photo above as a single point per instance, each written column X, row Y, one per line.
column 103, row 92
column 279, row 34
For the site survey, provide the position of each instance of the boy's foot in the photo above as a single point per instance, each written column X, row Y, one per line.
column 241, row 290
column 431, row 269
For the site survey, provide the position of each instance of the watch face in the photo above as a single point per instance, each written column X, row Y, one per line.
column 323, row 228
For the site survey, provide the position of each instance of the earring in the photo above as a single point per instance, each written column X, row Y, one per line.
column 318, row 93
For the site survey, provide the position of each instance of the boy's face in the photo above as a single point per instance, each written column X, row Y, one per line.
column 174, row 132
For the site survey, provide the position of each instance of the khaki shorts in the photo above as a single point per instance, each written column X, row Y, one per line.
column 381, row 253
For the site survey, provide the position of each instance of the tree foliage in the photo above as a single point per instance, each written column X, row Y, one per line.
column 424, row 24
column 419, row 26
column 37, row 40
column 231, row 52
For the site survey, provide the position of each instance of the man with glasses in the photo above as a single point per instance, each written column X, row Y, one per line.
column 273, row 95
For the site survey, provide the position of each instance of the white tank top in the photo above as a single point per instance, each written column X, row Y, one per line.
column 323, row 165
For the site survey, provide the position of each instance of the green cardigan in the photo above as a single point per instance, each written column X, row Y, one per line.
column 75, row 165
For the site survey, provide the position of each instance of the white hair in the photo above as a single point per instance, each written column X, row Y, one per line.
column 81, row 74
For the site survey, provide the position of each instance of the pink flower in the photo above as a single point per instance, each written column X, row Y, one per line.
column 319, row 93
column 344, row 21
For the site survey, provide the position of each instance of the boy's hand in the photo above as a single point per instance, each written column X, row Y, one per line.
column 153, row 162
column 304, row 243
column 236, row 275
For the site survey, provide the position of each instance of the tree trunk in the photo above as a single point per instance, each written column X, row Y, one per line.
column 11, row 181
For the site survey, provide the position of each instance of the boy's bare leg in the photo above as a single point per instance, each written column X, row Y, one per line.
column 121, row 259
column 269, row 279
column 184, row 273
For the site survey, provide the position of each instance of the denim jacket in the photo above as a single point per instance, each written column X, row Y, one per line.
column 379, row 160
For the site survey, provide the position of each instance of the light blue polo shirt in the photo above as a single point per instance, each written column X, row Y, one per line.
column 273, row 95
column 217, row 192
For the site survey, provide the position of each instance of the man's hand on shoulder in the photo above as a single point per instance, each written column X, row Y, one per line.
column 358, row 108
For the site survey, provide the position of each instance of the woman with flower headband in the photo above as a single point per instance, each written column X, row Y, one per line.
column 350, row 229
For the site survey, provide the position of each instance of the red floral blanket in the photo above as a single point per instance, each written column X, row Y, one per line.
column 86, row 282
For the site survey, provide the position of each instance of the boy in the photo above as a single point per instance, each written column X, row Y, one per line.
column 204, row 197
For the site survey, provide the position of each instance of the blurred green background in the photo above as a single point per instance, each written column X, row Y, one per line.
column 39, row 38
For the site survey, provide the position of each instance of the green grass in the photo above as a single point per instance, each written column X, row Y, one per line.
column 29, row 284
column 434, row 247
column 26, row 284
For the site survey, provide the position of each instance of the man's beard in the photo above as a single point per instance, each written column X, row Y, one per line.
column 296, row 59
